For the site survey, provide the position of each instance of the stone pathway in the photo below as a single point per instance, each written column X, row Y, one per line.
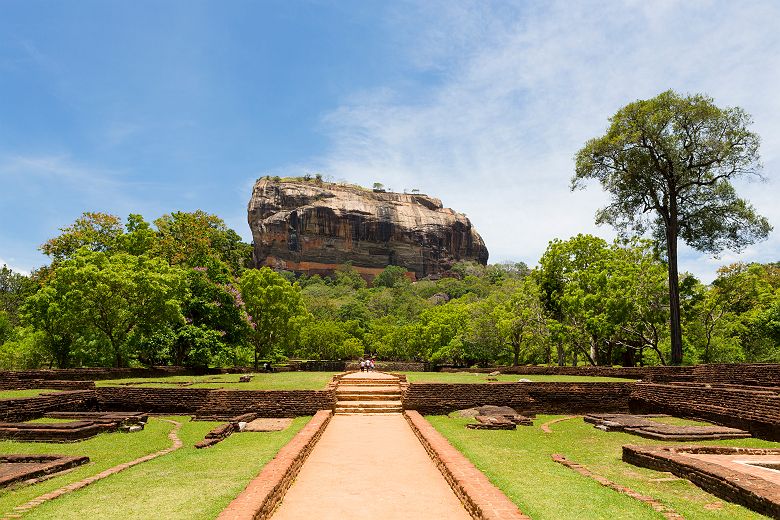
column 51, row 495
column 369, row 464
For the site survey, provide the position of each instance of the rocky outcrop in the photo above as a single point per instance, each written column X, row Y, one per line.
column 312, row 227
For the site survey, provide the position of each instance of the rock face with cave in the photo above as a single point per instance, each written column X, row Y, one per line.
column 312, row 227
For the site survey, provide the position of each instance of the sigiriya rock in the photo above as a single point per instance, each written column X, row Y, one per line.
column 312, row 227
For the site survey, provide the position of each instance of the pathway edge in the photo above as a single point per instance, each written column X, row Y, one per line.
column 479, row 496
column 264, row 493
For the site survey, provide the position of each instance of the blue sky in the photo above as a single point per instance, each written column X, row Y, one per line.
column 156, row 106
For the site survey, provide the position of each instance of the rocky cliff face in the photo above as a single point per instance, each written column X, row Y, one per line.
column 313, row 227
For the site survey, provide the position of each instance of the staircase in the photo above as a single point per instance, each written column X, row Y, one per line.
column 368, row 393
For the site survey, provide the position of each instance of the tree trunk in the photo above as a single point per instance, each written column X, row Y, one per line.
column 516, row 354
column 674, row 290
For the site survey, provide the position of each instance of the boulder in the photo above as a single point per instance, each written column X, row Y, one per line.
column 313, row 227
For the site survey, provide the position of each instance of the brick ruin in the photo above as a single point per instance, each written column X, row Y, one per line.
column 746, row 397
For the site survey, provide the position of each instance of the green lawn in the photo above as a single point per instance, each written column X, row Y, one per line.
column 51, row 420
column 14, row 394
column 260, row 381
column 185, row 484
column 519, row 463
column 468, row 377
column 105, row 450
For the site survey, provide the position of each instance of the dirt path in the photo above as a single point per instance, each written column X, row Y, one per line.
column 369, row 466
column 51, row 495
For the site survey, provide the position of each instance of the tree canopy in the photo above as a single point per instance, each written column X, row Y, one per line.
column 668, row 164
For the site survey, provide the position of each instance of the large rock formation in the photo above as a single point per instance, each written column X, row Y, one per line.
column 312, row 227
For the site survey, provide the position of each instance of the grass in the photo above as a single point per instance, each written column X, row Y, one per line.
column 468, row 377
column 519, row 463
column 15, row 394
column 51, row 420
column 185, row 484
column 104, row 451
column 260, row 381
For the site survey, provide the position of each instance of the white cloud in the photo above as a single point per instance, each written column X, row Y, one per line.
column 519, row 90
column 11, row 264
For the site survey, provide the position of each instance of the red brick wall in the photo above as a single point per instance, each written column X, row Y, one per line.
column 23, row 409
column 645, row 373
column 754, row 410
column 215, row 403
column 442, row 398
column 756, row 374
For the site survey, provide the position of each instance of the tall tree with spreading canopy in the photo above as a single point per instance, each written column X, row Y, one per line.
column 668, row 163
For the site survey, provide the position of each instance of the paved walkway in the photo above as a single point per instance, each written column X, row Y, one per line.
column 369, row 466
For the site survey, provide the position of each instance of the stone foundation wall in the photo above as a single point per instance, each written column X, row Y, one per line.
column 644, row 373
column 756, row 374
column 754, row 410
column 9, row 382
column 208, row 403
column 554, row 398
column 391, row 366
column 152, row 400
column 100, row 373
column 266, row 403
column 759, row 495
column 24, row 409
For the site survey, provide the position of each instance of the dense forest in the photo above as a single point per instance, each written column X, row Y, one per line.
column 181, row 291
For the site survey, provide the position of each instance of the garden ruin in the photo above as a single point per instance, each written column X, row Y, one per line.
column 712, row 429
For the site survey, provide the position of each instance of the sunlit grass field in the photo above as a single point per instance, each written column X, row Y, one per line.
column 519, row 463
column 185, row 484
column 260, row 381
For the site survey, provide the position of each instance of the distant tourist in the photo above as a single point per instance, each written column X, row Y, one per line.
column 362, row 365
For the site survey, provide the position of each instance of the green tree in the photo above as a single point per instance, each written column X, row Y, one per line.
column 391, row 276
column 93, row 230
column 14, row 289
column 192, row 239
column 119, row 298
column 272, row 304
column 521, row 318
column 668, row 163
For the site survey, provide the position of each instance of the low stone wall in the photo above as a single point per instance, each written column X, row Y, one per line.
column 753, row 410
column 391, row 366
column 26, row 408
column 100, row 373
column 12, row 383
column 152, row 400
column 757, row 494
column 215, row 404
column 479, row 496
column 644, row 373
column 526, row 398
column 319, row 366
column 264, row 493
column 755, row 374
column 266, row 403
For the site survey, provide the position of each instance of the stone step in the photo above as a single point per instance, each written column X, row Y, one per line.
column 369, row 404
column 370, row 388
column 366, row 396
column 368, row 382
column 373, row 412
column 360, row 410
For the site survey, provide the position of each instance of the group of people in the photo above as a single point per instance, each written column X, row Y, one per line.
column 367, row 365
